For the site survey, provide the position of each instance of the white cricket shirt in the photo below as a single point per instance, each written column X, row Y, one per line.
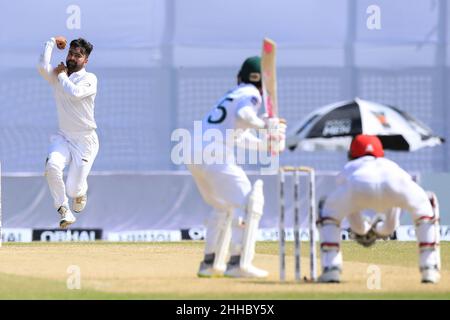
column 74, row 95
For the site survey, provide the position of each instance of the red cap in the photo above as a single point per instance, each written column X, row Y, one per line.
column 363, row 145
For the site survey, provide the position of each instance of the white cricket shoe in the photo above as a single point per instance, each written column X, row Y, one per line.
column 248, row 272
column 207, row 270
column 79, row 203
column 67, row 218
column 430, row 275
column 330, row 275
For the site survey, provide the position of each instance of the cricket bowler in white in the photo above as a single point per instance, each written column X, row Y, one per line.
column 76, row 142
column 238, row 206
column 370, row 181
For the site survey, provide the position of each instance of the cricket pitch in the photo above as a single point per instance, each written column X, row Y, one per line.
column 168, row 271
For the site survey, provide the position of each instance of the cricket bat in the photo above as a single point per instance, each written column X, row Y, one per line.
column 269, row 77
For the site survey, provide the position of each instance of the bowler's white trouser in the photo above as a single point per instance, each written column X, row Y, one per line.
column 79, row 152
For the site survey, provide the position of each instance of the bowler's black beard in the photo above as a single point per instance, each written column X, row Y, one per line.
column 72, row 66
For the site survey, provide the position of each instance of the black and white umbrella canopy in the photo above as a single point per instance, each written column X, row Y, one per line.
column 332, row 128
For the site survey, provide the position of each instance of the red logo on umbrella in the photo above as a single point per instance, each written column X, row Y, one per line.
column 382, row 118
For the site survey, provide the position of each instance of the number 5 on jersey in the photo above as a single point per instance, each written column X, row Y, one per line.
column 220, row 112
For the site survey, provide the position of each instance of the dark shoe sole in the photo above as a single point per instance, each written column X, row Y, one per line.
column 332, row 281
column 428, row 282
column 65, row 224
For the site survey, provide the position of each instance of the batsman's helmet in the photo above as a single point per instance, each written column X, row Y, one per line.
column 363, row 145
column 250, row 71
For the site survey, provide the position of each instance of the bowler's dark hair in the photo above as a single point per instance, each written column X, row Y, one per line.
column 85, row 46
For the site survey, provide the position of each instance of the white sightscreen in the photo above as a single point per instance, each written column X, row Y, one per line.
column 163, row 63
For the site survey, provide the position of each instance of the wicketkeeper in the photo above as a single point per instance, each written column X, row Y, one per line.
column 76, row 143
column 237, row 204
column 370, row 181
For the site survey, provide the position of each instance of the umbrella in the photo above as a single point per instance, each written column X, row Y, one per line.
column 332, row 128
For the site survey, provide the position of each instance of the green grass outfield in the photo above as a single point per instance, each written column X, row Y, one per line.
column 167, row 271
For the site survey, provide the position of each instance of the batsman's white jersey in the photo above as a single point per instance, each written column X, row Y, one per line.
column 381, row 185
column 225, row 186
column 229, row 123
column 225, row 114
column 76, row 142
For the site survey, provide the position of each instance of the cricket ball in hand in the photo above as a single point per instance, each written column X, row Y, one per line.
column 61, row 44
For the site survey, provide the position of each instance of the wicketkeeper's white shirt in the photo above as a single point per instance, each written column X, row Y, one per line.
column 74, row 95
column 378, row 184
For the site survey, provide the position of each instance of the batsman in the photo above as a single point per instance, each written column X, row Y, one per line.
column 238, row 206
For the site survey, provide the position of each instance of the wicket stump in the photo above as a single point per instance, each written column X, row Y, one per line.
column 296, row 171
